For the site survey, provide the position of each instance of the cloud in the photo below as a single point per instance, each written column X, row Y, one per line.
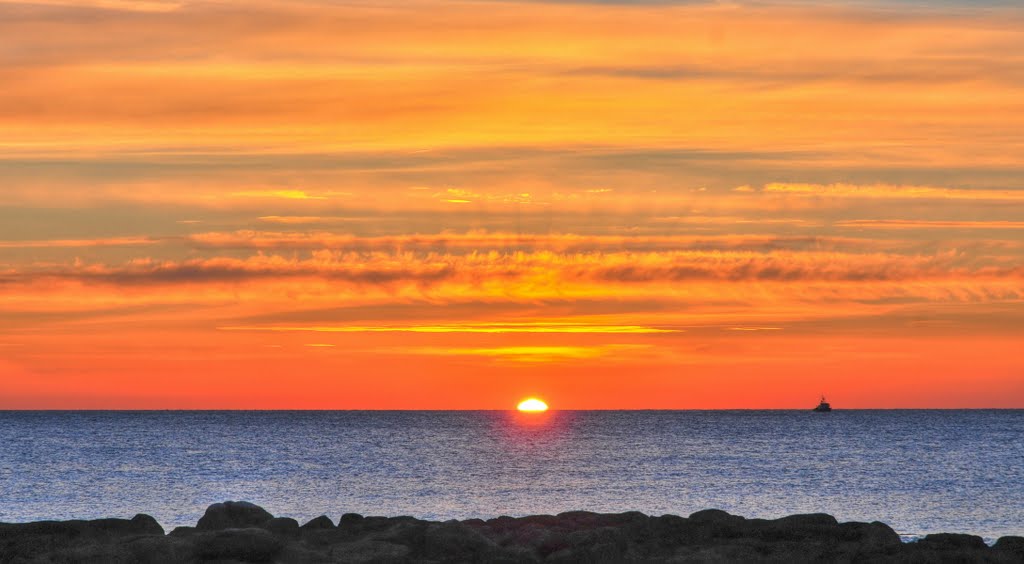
column 486, row 241
column 291, row 219
column 883, row 191
column 929, row 224
column 284, row 194
column 511, row 327
column 145, row 6
column 534, row 354
column 523, row 276
column 268, row 77
column 81, row 243
column 227, row 270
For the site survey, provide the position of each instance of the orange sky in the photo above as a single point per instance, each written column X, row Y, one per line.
column 435, row 205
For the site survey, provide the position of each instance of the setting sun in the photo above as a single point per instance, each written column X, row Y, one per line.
column 532, row 405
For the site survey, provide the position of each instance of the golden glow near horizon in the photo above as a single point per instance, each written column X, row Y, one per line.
column 439, row 204
column 532, row 405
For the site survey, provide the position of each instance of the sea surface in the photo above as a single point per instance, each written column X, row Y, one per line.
column 920, row 471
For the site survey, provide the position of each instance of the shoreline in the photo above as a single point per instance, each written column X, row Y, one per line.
column 244, row 532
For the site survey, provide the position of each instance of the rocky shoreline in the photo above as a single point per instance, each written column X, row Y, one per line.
column 243, row 532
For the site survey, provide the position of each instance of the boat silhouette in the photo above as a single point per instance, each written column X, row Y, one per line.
column 823, row 406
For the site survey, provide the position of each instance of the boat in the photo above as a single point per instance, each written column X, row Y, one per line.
column 823, row 406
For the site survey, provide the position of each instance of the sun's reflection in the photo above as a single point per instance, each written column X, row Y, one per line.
column 533, row 419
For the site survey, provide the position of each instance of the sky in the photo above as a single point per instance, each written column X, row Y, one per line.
column 325, row 204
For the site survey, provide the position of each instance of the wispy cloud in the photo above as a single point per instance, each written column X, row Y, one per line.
column 893, row 192
column 929, row 224
column 81, row 243
column 535, row 354
column 487, row 241
column 151, row 6
column 537, row 268
column 283, row 194
column 780, row 76
column 538, row 327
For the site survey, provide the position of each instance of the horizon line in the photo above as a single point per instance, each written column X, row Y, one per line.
column 511, row 410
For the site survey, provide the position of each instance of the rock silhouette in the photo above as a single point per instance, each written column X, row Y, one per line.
column 244, row 532
column 233, row 515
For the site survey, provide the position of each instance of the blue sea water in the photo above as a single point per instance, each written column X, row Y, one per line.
column 919, row 471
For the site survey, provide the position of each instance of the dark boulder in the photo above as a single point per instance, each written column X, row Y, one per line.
column 400, row 530
column 714, row 516
column 945, row 541
column 873, row 536
column 182, row 531
column 138, row 525
column 282, row 526
column 605, row 544
column 146, row 525
column 536, row 533
column 81, row 540
column 84, row 552
column 812, row 526
column 588, row 519
column 233, row 515
column 350, row 519
column 665, row 533
column 457, row 542
column 1011, row 546
column 807, row 520
column 159, row 550
column 320, row 523
column 715, row 523
column 247, row 545
column 369, row 551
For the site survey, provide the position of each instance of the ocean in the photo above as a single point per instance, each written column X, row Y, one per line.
column 920, row 471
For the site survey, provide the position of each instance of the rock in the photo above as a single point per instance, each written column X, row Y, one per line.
column 713, row 516
column 874, row 536
column 715, row 523
column 522, row 533
column 90, row 553
column 182, row 531
column 234, row 532
column 282, row 526
column 300, row 553
column 1011, row 545
column 589, row 519
column 666, row 533
column 349, row 519
column 952, row 541
column 807, row 521
column 401, row 530
column 159, row 550
column 250, row 545
column 320, row 523
column 75, row 541
column 453, row 540
column 233, row 515
column 605, row 544
column 724, row 553
column 147, row 525
column 366, row 551
column 78, row 540
column 814, row 526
